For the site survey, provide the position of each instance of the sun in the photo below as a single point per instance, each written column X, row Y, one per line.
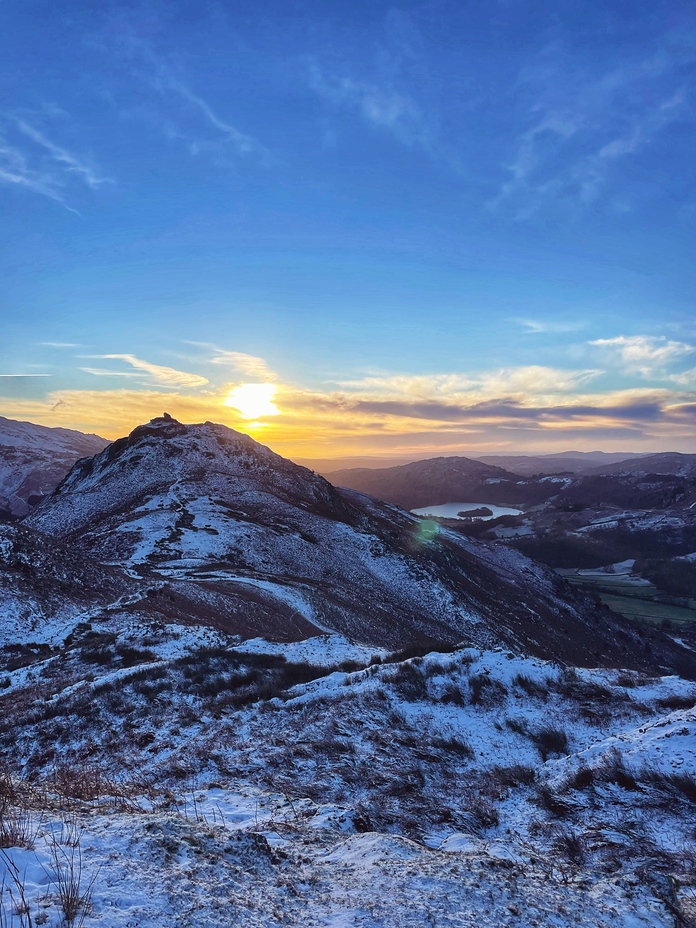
column 253, row 400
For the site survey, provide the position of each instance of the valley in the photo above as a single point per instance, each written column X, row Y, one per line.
column 590, row 514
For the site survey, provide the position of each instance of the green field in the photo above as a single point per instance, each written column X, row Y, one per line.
column 641, row 602
column 647, row 610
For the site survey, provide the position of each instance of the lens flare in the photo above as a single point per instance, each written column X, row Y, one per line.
column 428, row 530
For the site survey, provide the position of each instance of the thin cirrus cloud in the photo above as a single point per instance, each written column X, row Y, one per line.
column 247, row 364
column 241, row 142
column 382, row 106
column 164, row 376
column 29, row 159
column 545, row 326
column 61, row 345
column 584, row 118
column 15, row 170
column 67, row 160
column 104, row 372
column 196, row 123
column 646, row 355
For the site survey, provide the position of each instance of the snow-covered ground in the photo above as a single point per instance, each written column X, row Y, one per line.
column 196, row 783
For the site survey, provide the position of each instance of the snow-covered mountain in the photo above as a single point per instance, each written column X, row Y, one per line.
column 256, row 544
column 35, row 458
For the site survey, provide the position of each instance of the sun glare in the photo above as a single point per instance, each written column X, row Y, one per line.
column 253, row 400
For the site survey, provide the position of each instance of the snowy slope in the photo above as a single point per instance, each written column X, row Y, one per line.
column 163, row 764
column 383, row 792
column 34, row 459
column 46, row 588
column 32, row 437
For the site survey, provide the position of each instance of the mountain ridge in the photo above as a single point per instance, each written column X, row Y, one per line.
column 230, row 527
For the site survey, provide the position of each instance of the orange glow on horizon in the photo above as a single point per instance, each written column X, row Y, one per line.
column 299, row 423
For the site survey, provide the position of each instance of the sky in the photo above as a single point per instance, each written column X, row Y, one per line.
column 353, row 230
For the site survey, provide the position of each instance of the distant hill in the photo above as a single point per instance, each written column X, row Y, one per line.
column 574, row 462
column 443, row 480
column 34, row 459
column 666, row 462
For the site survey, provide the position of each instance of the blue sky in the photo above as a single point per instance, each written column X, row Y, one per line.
column 434, row 227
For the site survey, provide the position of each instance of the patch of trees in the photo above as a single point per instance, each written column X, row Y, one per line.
column 608, row 547
column 675, row 577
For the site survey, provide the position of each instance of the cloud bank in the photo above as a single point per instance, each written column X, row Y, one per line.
column 532, row 407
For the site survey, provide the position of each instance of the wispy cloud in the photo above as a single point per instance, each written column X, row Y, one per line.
column 241, row 142
column 535, row 380
column 685, row 378
column 164, row 376
column 69, row 161
column 61, row 345
column 186, row 114
column 103, row 372
column 646, row 355
column 544, row 326
column 26, row 375
column 247, row 364
column 527, row 381
column 381, row 105
column 15, row 170
column 33, row 161
column 583, row 119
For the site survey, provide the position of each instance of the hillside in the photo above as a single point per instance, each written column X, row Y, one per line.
column 34, row 459
column 175, row 776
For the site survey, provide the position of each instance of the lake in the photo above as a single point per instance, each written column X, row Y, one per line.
column 450, row 510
